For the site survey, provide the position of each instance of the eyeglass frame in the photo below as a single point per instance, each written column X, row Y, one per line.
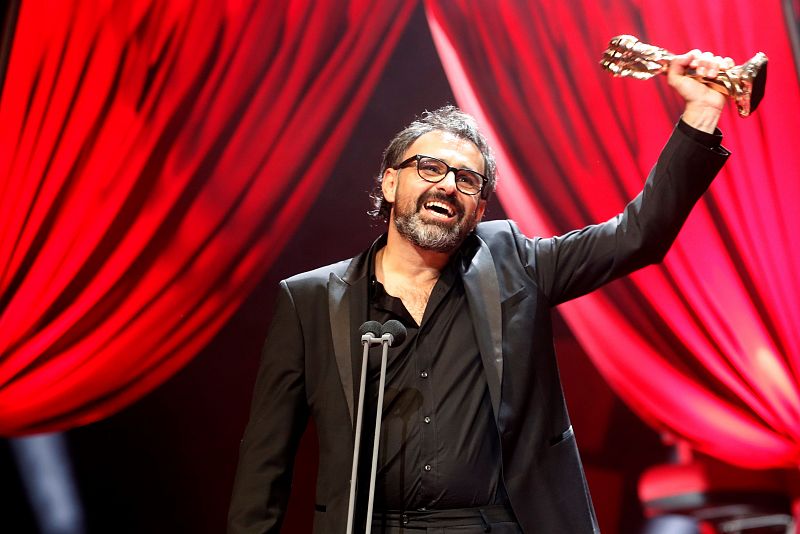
column 455, row 170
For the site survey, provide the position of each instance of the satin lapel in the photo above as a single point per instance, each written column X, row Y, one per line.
column 358, row 314
column 483, row 296
column 347, row 309
column 339, row 312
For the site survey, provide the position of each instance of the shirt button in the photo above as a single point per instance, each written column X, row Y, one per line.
column 424, row 374
column 428, row 467
column 427, row 420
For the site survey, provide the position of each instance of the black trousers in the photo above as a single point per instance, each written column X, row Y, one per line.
column 496, row 519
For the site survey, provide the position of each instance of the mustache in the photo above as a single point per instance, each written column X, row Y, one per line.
column 432, row 196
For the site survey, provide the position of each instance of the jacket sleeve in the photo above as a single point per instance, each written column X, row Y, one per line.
column 571, row 265
column 278, row 418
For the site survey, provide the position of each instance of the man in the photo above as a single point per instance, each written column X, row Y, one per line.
column 476, row 435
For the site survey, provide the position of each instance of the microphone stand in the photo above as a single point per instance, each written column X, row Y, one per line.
column 393, row 331
column 367, row 338
column 386, row 341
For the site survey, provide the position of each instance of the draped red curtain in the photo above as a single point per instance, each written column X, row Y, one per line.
column 704, row 345
column 154, row 159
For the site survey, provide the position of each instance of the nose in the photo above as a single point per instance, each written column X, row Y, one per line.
column 448, row 183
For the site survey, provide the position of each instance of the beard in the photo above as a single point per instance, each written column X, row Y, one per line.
column 439, row 236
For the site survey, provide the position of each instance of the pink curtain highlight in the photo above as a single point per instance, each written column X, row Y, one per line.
column 156, row 157
column 705, row 345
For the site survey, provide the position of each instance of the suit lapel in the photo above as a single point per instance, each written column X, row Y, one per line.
column 483, row 296
column 339, row 312
column 347, row 309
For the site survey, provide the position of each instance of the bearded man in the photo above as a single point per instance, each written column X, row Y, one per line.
column 475, row 435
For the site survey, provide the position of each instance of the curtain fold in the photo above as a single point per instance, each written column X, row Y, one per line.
column 155, row 158
column 704, row 345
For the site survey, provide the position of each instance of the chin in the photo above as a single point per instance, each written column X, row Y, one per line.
column 436, row 236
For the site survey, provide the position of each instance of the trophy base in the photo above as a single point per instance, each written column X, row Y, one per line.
column 759, row 86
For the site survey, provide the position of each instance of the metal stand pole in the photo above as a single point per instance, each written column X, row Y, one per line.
column 386, row 338
column 365, row 339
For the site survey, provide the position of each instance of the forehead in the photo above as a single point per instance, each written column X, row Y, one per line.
column 454, row 150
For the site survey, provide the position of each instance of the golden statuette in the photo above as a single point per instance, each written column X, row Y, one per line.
column 628, row 56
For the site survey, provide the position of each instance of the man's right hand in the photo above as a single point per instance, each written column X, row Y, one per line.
column 703, row 104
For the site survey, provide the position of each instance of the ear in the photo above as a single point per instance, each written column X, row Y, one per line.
column 479, row 211
column 389, row 185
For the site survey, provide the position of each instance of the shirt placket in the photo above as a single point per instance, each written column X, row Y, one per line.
column 428, row 461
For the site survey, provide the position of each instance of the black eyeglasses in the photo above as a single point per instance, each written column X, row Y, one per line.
column 434, row 170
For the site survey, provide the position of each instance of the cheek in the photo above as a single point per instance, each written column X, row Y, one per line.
column 404, row 193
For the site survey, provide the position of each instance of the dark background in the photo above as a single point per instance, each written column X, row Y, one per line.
column 166, row 463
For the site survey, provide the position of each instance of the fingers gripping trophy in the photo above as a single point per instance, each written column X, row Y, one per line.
column 627, row 56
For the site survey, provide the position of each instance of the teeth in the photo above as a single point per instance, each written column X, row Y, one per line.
column 445, row 207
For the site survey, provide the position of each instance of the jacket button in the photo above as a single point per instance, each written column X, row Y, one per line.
column 424, row 374
column 428, row 467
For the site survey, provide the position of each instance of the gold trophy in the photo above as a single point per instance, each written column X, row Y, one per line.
column 628, row 56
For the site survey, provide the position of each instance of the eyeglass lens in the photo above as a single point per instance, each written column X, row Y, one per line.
column 433, row 170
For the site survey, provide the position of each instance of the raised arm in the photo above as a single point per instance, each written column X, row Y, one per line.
column 578, row 262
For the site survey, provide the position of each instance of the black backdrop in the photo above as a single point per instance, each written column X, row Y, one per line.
column 166, row 463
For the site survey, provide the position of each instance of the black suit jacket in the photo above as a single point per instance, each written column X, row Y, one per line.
column 312, row 355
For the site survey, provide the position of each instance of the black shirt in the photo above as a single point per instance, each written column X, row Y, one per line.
column 439, row 443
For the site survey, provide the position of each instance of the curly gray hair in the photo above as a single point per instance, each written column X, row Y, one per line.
column 448, row 119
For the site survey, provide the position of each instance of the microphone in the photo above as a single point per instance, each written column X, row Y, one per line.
column 394, row 332
column 370, row 332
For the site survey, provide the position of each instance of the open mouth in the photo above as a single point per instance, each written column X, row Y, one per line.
column 440, row 209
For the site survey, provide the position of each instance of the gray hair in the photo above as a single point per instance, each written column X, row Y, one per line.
column 448, row 119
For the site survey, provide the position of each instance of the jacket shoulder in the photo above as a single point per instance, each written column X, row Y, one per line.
column 499, row 233
column 495, row 229
column 317, row 277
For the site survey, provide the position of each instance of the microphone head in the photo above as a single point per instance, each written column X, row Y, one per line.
column 372, row 328
column 396, row 330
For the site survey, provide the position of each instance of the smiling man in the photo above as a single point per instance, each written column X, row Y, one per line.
column 475, row 435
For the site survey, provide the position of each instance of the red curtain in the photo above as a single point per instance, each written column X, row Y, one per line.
column 704, row 345
column 155, row 156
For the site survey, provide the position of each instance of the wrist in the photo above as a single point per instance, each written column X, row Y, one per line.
column 701, row 117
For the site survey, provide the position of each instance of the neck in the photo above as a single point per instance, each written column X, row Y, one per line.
column 403, row 258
